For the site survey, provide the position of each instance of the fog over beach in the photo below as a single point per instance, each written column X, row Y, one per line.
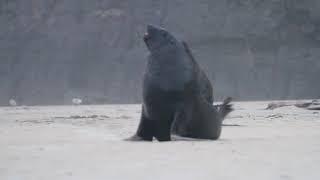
column 74, row 75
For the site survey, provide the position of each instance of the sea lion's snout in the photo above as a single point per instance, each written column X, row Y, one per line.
column 146, row 36
column 156, row 37
column 151, row 31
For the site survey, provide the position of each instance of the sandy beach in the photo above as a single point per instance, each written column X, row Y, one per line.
column 86, row 142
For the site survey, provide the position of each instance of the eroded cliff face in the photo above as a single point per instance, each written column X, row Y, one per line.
column 54, row 50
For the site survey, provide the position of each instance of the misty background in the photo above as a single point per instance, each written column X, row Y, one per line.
column 54, row 50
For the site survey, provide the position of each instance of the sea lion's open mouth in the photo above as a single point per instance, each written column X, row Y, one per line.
column 151, row 31
column 146, row 36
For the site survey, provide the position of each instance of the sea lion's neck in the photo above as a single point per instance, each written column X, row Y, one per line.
column 168, row 59
column 161, row 50
column 169, row 69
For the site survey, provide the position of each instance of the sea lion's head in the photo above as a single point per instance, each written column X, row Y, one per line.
column 157, row 38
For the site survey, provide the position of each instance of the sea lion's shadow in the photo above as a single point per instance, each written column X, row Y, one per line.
column 233, row 125
column 175, row 138
column 180, row 138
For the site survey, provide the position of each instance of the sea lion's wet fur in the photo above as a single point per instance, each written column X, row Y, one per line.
column 177, row 95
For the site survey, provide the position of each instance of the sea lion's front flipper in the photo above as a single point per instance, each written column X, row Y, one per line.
column 145, row 130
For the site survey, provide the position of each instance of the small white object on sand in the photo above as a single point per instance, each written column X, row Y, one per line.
column 12, row 102
column 76, row 101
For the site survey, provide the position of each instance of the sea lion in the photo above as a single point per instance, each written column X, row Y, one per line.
column 177, row 95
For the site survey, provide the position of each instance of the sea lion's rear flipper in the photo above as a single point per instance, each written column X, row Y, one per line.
column 225, row 108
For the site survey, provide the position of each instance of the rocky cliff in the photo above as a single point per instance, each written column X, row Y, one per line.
column 52, row 51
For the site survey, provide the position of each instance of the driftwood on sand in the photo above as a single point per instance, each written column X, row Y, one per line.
column 310, row 105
